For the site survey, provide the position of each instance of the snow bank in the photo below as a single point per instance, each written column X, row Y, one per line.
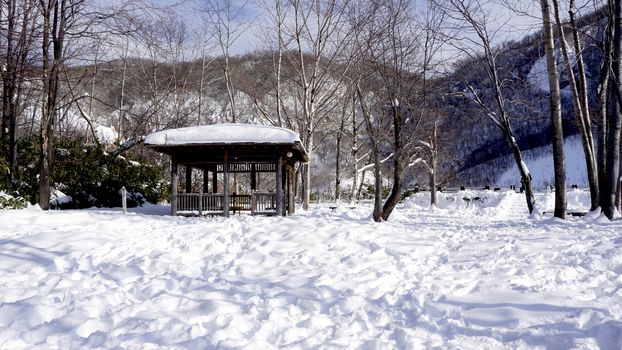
column 454, row 277
column 223, row 133
column 540, row 162
column 497, row 204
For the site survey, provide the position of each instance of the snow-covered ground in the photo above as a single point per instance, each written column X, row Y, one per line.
column 476, row 274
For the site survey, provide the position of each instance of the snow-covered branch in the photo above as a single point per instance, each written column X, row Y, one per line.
column 420, row 161
column 426, row 144
column 362, row 157
column 371, row 165
column 489, row 113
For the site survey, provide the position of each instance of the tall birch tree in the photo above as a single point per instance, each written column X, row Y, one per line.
column 319, row 35
column 472, row 19
column 556, row 113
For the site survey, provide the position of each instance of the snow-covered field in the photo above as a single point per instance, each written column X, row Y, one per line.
column 475, row 274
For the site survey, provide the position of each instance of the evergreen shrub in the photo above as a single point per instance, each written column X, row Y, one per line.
column 90, row 176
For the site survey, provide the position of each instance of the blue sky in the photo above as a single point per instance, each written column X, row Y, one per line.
column 507, row 24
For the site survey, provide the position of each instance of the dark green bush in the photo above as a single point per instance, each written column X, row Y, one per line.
column 9, row 198
column 91, row 176
column 10, row 202
column 4, row 172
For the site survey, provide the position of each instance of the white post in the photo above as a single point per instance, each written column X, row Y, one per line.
column 124, row 199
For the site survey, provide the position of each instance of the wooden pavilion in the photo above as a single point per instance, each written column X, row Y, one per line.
column 229, row 149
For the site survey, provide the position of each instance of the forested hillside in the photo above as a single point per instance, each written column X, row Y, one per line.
column 479, row 149
column 157, row 95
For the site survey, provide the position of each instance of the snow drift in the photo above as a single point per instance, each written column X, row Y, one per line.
column 472, row 274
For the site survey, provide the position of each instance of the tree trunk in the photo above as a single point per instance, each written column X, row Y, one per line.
column 54, row 22
column 354, row 154
column 306, row 185
column 433, row 167
column 229, row 85
column 619, row 184
column 8, row 93
column 377, row 213
column 201, row 82
column 579, row 100
column 432, row 183
column 398, row 164
column 359, row 190
column 614, row 119
column 584, row 99
column 601, row 115
column 525, row 175
column 12, row 76
column 373, row 144
column 556, row 117
column 47, row 119
column 4, row 125
column 337, row 166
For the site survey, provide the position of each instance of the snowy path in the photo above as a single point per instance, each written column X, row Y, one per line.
column 465, row 279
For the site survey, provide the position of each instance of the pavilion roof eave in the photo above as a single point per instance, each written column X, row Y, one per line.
column 297, row 148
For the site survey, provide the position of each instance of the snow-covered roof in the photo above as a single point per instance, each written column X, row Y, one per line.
column 228, row 133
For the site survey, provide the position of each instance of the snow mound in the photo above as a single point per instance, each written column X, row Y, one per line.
column 469, row 202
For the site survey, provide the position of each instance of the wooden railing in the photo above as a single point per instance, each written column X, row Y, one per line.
column 263, row 203
column 199, row 203
column 187, row 203
column 213, row 204
column 239, row 202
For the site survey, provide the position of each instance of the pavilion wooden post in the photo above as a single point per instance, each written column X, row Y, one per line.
column 279, row 186
column 201, row 203
column 225, row 190
column 215, row 180
column 284, row 187
column 205, row 181
column 174, row 180
column 253, row 177
column 253, row 203
column 291, row 201
column 188, row 179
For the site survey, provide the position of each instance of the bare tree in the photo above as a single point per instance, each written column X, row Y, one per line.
column 374, row 137
column 429, row 159
column 355, row 149
column 225, row 21
column 340, row 132
column 579, row 91
column 158, row 75
column 55, row 15
column 474, row 19
column 319, row 35
column 205, row 62
column 274, row 40
column 394, row 54
column 431, row 42
column 18, row 36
